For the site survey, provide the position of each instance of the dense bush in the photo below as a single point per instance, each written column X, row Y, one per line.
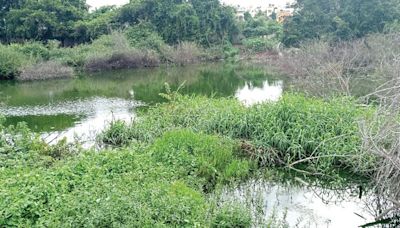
column 122, row 60
column 45, row 70
column 144, row 36
column 182, row 54
column 160, row 185
column 10, row 63
column 33, row 50
column 260, row 44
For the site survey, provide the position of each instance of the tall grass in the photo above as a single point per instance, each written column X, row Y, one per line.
column 323, row 135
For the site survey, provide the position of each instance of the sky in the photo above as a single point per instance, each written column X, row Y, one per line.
column 243, row 3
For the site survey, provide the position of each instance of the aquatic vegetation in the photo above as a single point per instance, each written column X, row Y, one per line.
column 164, row 184
column 323, row 135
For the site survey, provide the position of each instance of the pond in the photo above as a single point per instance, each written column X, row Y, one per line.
column 81, row 108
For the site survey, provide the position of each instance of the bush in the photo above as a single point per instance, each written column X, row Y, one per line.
column 159, row 185
column 45, row 70
column 260, row 44
column 11, row 62
column 144, row 36
column 34, row 50
column 232, row 216
column 122, row 60
column 182, row 54
column 117, row 134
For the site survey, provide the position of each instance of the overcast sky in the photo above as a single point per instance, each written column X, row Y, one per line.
column 245, row 3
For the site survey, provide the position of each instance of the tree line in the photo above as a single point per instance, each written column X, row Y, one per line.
column 206, row 22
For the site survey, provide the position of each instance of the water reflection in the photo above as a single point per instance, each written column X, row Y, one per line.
column 82, row 107
column 299, row 206
column 250, row 94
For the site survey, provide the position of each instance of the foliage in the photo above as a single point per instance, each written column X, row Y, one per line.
column 33, row 50
column 205, row 21
column 261, row 26
column 144, row 36
column 136, row 186
column 260, row 44
column 43, row 20
column 338, row 20
column 293, row 129
column 232, row 216
column 10, row 63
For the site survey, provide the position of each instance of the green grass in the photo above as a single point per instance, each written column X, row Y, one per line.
column 164, row 184
column 294, row 128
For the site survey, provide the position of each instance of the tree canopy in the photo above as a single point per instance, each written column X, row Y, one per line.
column 335, row 20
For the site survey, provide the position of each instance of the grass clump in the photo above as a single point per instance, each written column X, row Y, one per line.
column 321, row 135
column 232, row 216
column 206, row 158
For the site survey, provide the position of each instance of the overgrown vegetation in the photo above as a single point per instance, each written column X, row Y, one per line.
column 162, row 184
column 322, row 135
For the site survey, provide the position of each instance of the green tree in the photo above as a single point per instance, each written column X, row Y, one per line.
column 45, row 19
column 338, row 19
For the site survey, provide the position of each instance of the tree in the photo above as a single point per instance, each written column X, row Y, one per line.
column 338, row 19
column 44, row 20
column 206, row 21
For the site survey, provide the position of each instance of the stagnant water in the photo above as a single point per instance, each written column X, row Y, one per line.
column 81, row 108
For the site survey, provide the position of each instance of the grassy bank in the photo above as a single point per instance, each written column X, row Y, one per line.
column 41, row 61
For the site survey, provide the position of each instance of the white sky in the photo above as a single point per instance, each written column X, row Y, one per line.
column 243, row 3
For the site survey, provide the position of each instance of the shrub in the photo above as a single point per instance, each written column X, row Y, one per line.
column 122, row 60
column 34, row 50
column 117, row 134
column 260, row 44
column 45, row 70
column 232, row 216
column 182, row 54
column 144, row 36
column 11, row 62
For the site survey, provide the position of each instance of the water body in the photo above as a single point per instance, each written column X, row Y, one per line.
column 80, row 108
column 289, row 205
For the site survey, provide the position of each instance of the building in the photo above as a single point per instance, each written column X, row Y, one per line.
column 283, row 14
column 282, row 11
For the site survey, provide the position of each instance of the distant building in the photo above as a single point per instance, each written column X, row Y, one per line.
column 283, row 14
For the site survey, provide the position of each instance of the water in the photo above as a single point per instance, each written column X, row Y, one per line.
column 303, row 206
column 81, row 108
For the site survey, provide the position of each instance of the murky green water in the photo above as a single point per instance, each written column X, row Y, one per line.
column 82, row 107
